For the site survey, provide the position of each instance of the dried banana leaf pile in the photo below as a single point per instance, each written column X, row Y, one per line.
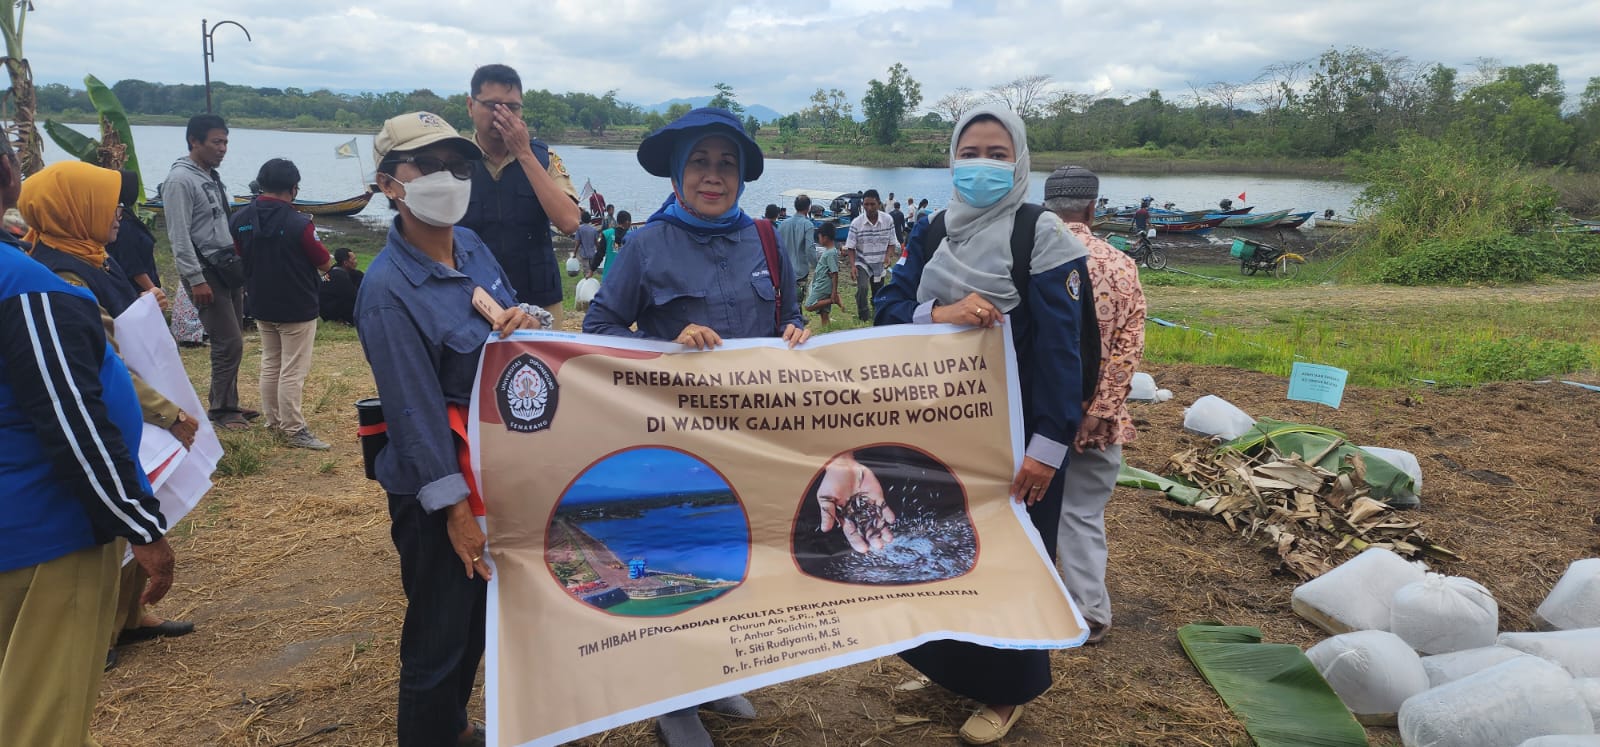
column 1310, row 516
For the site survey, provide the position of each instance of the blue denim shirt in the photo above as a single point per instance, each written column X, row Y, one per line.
column 422, row 336
column 668, row 277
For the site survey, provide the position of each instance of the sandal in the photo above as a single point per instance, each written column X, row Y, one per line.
column 231, row 421
column 985, row 726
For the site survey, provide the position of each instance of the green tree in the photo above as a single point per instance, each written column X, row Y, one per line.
column 887, row 103
column 545, row 111
column 726, row 99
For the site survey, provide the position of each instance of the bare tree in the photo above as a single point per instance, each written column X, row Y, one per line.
column 1025, row 95
column 1485, row 70
column 956, row 103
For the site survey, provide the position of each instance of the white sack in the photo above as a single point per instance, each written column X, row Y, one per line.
column 1577, row 651
column 1453, row 666
column 1373, row 672
column 1575, row 600
column 1502, row 705
column 1357, row 595
column 1440, row 614
column 1214, row 416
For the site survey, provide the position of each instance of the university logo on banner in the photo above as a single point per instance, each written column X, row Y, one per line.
column 526, row 395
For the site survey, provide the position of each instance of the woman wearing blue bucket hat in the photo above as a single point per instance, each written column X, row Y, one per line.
column 700, row 270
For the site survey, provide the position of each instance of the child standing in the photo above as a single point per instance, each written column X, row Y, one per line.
column 824, row 294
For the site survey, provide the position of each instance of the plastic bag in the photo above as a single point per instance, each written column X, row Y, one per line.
column 1453, row 666
column 1214, row 416
column 1357, row 595
column 584, row 293
column 1575, row 601
column 573, row 266
column 1143, row 388
column 1373, row 672
column 1504, row 704
column 1577, row 651
column 1563, row 740
column 1405, row 461
column 1441, row 614
column 1589, row 690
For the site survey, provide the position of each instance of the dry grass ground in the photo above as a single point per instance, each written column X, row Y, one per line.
column 291, row 577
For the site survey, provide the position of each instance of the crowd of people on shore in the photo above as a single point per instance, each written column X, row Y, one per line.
column 468, row 255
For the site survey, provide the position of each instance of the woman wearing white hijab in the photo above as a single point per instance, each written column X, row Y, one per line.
column 961, row 268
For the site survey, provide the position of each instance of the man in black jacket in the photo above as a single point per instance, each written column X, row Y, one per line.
column 283, row 266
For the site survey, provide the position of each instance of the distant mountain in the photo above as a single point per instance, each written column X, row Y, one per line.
column 763, row 113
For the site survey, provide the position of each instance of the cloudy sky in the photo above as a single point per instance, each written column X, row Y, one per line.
column 777, row 53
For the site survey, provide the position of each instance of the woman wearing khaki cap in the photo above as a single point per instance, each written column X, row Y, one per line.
column 422, row 336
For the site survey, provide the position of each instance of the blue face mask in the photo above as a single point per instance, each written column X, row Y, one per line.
column 981, row 182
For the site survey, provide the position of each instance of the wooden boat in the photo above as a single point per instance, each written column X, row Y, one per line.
column 345, row 207
column 1252, row 221
column 1190, row 227
column 1294, row 220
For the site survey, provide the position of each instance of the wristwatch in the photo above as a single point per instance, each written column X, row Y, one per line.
column 182, row 418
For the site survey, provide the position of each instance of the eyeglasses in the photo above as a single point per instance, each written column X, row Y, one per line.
column 515, row 107
column 459, row 168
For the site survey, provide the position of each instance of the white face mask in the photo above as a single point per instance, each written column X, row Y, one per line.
column 438, row 199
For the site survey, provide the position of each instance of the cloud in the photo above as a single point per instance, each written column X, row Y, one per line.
column 777, row 53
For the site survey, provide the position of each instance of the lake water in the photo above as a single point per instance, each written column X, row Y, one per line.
column 712, row 542
column 617, row 175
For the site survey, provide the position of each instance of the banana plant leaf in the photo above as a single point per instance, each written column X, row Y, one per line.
column 76, row 144
column 113, row 115
column 1389, row 483
column 1272, row 687
column 1133, row 477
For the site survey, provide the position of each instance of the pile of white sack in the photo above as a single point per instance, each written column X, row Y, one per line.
column 1423, row 651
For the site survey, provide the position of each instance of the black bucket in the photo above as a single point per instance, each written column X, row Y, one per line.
column 374, row 433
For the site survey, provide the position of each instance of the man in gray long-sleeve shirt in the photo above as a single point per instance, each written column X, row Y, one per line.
column 196, row 210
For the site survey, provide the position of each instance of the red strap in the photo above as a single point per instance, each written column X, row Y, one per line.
column 458, row 425
column 372, row 430
column 769, row 247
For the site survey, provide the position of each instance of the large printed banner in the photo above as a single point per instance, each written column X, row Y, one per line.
column 670, row 527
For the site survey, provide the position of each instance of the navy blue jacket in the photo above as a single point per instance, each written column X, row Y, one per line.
column 69, row 424
column 507, row 215
column 1045, row 332
column 281, row 280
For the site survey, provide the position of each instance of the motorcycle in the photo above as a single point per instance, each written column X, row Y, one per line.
column 1256, row 256
column 1144, row 251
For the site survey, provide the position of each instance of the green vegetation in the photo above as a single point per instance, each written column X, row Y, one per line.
column 1460, row 342
column 1451, row 210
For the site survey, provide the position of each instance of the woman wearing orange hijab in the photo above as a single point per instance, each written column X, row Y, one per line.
column 71, row 212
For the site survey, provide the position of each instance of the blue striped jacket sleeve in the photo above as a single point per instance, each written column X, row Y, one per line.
column 54, row 347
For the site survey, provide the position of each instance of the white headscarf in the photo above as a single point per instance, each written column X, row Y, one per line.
column 976, row 253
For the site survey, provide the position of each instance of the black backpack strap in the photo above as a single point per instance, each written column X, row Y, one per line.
column 1022, row 246
column 1022, row 235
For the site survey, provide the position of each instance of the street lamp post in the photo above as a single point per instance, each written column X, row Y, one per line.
column 208, row 50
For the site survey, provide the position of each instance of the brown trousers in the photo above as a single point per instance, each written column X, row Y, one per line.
column 55, row 620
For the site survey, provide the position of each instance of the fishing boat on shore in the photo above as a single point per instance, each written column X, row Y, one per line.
column 345, row 207
column 1198, row 227
column 1294, row 220
column 1264, row 220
